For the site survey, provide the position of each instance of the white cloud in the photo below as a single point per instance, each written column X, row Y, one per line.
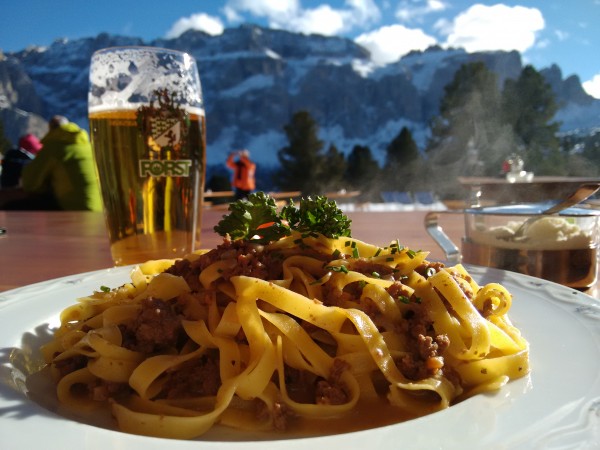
column 443, row 26
column 497, row 27
column 389, row 43
column 271, row 9
column 408, row 10
column 321, row 20
column 364, row 12
column 289, row 15
column 202, row 22
column 542, row 43
column 232, row 15
column 561, row 35
column 592, row 86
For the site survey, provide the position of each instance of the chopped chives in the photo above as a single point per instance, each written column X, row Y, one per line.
column 340, row 268
column 411, row 253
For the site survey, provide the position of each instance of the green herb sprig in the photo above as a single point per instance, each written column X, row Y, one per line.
column 256, row 219
column 317, row 215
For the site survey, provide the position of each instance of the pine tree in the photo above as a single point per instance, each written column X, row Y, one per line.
column 332, row 179
column 402, row 150
column 402, row 156
column 469, row 117
column 363, row 173
column 529, row 106
column 591, row 148
column 468, row 137
column 303, row 164
column 479, row 126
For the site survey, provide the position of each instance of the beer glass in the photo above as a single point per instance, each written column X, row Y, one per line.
column 147, row 127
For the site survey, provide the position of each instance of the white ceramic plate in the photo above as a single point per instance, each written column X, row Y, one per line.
column 556, row 407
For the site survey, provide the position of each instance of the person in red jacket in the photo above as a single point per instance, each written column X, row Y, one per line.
column 244, row 169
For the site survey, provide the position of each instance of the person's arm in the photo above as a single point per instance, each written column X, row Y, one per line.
column 230, row 161
column 35, row 177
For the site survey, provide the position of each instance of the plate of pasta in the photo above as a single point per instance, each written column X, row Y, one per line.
column 292, row 332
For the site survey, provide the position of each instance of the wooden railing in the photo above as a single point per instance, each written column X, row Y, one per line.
column 275, row 195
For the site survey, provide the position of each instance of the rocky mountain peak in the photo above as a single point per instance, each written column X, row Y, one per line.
column 255, row 78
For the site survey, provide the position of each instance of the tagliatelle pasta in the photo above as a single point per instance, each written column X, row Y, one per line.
column 303, row 330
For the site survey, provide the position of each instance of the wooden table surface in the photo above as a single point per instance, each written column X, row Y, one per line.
column 42, row 245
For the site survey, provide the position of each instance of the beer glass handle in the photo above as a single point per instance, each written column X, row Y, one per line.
column 452, row 252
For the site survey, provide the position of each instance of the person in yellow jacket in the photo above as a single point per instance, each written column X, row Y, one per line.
column 63, row 171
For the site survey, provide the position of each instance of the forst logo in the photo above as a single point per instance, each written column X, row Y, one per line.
column 165, row 168
column 164, row 126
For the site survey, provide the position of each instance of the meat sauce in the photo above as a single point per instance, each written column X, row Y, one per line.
column 157, row 327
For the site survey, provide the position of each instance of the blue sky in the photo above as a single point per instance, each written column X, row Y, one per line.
column 565, row 32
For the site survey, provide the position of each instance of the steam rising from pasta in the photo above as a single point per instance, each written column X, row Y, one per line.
column 266, row 337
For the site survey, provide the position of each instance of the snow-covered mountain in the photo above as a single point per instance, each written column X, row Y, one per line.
column 255, row 78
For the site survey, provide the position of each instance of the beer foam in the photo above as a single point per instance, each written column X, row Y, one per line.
column 125, row 78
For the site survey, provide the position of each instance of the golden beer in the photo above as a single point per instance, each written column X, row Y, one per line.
column 151, row 188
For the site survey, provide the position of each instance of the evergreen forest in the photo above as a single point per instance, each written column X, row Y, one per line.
column 480, row 125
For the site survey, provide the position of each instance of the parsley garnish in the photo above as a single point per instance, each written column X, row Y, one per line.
column 256, row 219
column 253, row 219
column 104, row 288
column 317, row 215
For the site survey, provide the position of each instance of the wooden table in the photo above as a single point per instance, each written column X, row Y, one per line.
column 42, row 245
